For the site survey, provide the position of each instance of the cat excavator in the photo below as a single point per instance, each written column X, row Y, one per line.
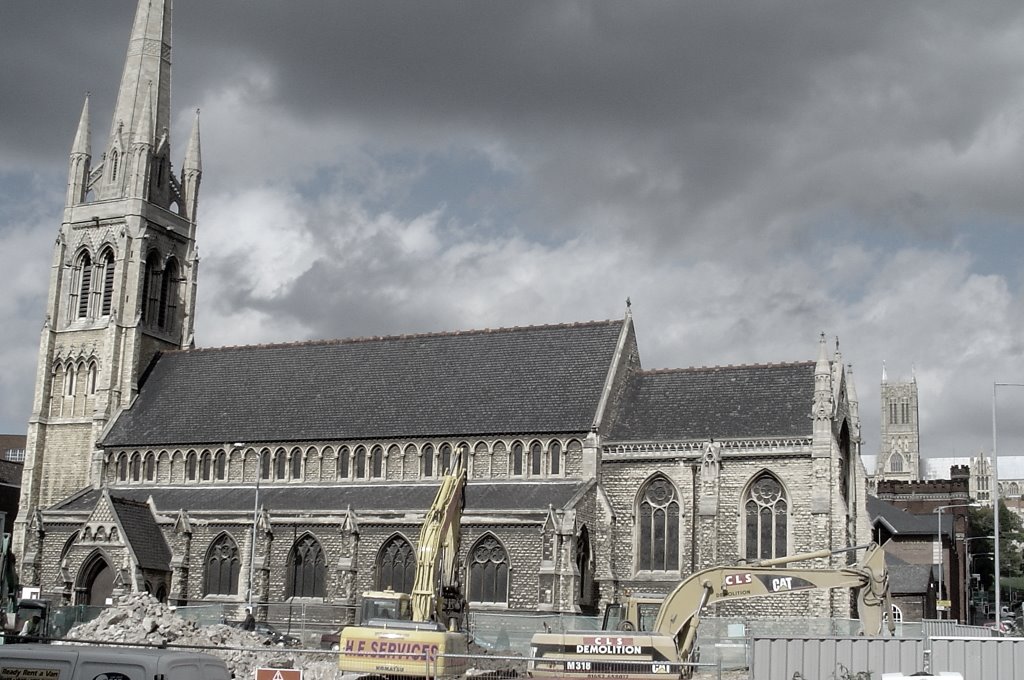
column 413, row 635
column 626, row 649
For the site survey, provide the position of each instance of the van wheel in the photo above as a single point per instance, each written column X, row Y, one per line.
column 335, row 647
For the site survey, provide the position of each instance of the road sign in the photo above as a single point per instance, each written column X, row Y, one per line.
column 278, row 674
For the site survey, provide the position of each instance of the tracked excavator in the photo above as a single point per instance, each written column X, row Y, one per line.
column 411, row 635
column 629, row 649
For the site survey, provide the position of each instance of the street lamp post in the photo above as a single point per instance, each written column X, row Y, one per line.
column 995, row 498
column 967, row 573
column 938, row 510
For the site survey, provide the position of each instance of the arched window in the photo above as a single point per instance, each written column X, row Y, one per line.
column 296, row 464
column 307, row 569
column 136, row 467
column 555, row 449
column 658, row 520
column 396, row 565
column 122, row 467
column 896, row 463
column 377, row 462
column 427, row 461
column 517, row 459
column 107, row 280
column 150, row 288
column 69, row 380
column 220, row 465
column 536, row 455
column 446, row 458
column 204, row 466
column 360, row 462
column 84, row 285
column 222, row 567
column 91, row 379
column 488, row 571
column 265, row 464
column 766, row 519
column 149, row 467
column 190, row 466
column 168, row 295
column 343, row 469
column 280, row 464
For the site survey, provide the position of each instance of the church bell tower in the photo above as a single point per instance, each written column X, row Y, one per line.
column 123, row 275
column 899, row 456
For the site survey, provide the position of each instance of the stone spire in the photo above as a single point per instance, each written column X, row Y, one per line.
column 147, row 63
column 141, row 148
column 192, row 173
column 80, row 160
column 822, row 383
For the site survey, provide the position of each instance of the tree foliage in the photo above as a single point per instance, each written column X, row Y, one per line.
column 1011, row 541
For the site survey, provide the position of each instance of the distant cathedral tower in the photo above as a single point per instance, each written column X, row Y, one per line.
column 122, row 280
column 900, row 454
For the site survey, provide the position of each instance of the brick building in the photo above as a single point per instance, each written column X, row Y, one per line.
column 152, row 465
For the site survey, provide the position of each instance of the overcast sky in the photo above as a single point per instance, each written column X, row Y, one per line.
column 749, row 174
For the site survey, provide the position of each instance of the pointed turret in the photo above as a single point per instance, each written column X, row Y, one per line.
column 851, row 397
column 885, row 376
column 192, row 173
column 80, row 160
column 822, row 383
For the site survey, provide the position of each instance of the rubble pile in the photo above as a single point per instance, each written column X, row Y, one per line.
column 141, row 619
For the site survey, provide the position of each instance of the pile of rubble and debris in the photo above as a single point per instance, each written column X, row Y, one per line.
column 141, row 619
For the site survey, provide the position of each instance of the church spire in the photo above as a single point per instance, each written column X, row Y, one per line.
column 192, row 172
column 148, row 63
column 80, row 160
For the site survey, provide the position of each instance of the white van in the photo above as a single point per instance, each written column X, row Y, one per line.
column 76, row 662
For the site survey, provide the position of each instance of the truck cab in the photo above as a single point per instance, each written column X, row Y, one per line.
column 634, row 611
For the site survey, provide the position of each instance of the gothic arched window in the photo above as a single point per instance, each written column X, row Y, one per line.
column 122, row 467
column 190, row 467
column 136, row 468
column 168, row 295
column 343, row 454
column 488, row 571
column 280, row 464
column 536, row 458
column 766, row 519
column 222, row 567
column 555, row 450
column 360, row 462
column 107, row 281
column 84, row 285
column 296, row 463
column 427, row 461
column 150, row 288
column 658, row 520
column 150, row 467
column 396, row 566
column 517, row 459
column 446, row 459
column 377, row 462
column 307, row 569
column 220, row 465
column 896, row 463
column 204, row 466
column 265, row 464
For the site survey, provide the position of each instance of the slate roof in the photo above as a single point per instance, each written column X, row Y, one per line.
column 480, row 497
column 142, row 532
column 504, row 381
column 904, row 523
column 770, row 400
column 905, row 578
column 10, row 472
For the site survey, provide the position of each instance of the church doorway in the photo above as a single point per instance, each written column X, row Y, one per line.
column 96, row 582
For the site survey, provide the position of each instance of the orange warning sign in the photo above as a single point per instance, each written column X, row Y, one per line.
column 278, row 674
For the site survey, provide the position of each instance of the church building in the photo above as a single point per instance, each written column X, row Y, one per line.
column 300, row 473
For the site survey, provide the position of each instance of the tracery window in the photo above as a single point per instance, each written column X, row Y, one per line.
column 222, row 567
column 307, row 569
column 396, row 566
column 658, row 526
column 896, row 463
column 766, row 519
column 488, row 571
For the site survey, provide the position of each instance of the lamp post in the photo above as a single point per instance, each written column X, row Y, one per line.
column 938, row 510
column 967, row 573
column 995, row 498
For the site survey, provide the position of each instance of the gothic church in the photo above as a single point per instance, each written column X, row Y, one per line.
column 299, row 473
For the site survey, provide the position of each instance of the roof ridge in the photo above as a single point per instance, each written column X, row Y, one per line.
column 402, row 336
column 695, row 369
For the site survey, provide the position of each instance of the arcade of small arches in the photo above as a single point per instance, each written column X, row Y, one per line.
column 73, row 387
column 551, row 458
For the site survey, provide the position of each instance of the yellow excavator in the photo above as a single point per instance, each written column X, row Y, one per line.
column 413, row 635
column 627, row 649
